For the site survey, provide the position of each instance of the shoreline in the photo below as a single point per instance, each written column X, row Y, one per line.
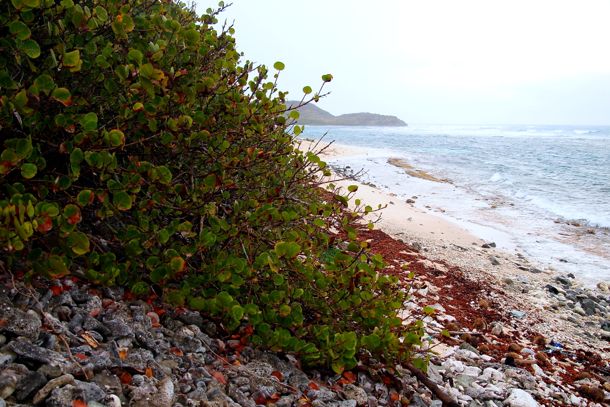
column 555, row 304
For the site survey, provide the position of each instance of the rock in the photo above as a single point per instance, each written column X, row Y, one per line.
column 65, row 396
column 32, row 353
column 51, row 385
column 6, row 357
column 593, row 393
column 20, row 323
column 410, row 201
column 518, row 314
column 494, row 261
column 355, row 393
column 535, row 270
column 118, row 328
column 497, row 328
column 9, row 377
column 563, row 280
column 520, row 398
column 554, row 290
column 488, row 245
column 578, row 310
column 29, row 384
column 603, row 286
column 605, row 326
column 589, row 306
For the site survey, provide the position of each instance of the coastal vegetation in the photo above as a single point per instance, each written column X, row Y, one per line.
column 140, row 149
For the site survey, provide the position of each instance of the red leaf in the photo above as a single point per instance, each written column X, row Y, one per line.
column 154, row 319
column 149, row 372
column 125, row 378
column 313, row 386
column 46, row 225
column 79, row 403
column 278, row 375
column 176, row 351
column 220, row 378
column 80, row 356
column 56, row 290
column 348, row 378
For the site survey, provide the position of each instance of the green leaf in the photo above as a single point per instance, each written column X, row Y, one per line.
column 237, row 312
column 135, row 56
column 19, row 30
column 352, row 188
column 122, row 200
column 28, row 170
column 327, row 78
column 62, row 95
column 30, row 48
column 89, row 121
column 78, row 242
column 279, row 66
column 116, row 138
column 428, row 310
column 164, row 174
column 85, row 197
column 287, row 249
column 100, row 13
column 45, row 83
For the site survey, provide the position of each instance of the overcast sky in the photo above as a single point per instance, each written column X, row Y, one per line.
column 434, row 61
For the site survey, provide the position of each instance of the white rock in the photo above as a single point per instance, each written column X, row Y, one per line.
column 520, row 398
column 454, row 366
column 465, row 354
column 491, row 375
column 472, row 371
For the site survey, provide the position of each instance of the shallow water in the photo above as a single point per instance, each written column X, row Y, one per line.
column 541, row 190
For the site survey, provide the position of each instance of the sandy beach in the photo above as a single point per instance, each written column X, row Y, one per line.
column 535, row 297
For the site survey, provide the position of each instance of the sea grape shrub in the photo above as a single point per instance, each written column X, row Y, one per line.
column 138, row 149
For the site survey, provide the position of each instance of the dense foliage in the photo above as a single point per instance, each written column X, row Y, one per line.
column 138, row 149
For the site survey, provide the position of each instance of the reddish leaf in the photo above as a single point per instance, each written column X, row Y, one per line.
column 46, row 225
column 125, row 378
column 56, row 290
column 95, row 312
column 348, row 378
column 313, row 386
column 220, row 378
column 278, row 375
column 176, row 351
column 122, row 353
column 394, row 396
column 149, row 372
column 154, row 319
column 80, row 356
column 79, row 403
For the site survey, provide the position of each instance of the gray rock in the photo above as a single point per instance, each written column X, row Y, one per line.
column 488, row 245
column 535, row 270
column 108, row 382
column 355, row 393
column 32, row 353
column 606, row 325
column 2, row 402
column 589, row 306
column 563, row 280
column 6, row 357
column 20, row 323
column 494, row 261
column 29, row 384
column 9, row 377
column 64, row 396
column 118, row 328
column 43, row 393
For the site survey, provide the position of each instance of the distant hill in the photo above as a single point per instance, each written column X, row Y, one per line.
column 313, row 115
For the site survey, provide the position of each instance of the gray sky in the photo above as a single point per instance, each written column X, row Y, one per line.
column 436, row 61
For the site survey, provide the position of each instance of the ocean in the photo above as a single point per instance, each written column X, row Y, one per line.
column 543, row 191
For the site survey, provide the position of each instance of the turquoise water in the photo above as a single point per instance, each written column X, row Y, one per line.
column 544, row 190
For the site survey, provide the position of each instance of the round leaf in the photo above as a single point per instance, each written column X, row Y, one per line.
column 19, row 30
column 122, row 200
column 28, row 170
column 279, row 66
column 30, row 48
column 78, row 242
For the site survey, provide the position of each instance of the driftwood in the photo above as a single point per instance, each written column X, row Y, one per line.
column 442, row 396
